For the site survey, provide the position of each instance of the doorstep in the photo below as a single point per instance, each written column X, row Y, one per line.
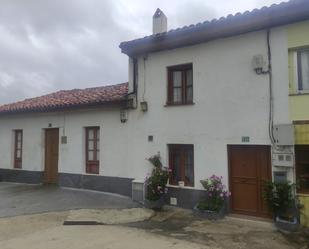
column 255, row 221
column 251, row 218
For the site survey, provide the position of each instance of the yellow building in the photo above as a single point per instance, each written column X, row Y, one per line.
column 298, row 43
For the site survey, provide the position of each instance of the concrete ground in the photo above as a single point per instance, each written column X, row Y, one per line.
column 20, row 199
column 128, row 228
column 46, row 231
column 227, row 233
column 170, row 229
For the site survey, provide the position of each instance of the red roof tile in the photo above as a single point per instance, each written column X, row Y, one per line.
column 68, row 99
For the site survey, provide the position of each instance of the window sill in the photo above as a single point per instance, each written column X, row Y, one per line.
column 92, row 174
column 299, row 93
column 177, row 186
column 178, row 104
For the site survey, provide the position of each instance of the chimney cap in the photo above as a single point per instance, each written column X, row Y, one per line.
column 158, row 13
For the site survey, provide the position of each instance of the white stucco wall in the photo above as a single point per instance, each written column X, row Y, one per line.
column 113, row 151
column 231, row 101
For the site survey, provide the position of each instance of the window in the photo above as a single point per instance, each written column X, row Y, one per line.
column 92, row 150
column 180, row 85
column 181, row 163
column 302, row 167
column 18, row 148
column 303, row 69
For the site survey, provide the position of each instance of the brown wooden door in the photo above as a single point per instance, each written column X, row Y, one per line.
column 51, row 155
column 249, row 166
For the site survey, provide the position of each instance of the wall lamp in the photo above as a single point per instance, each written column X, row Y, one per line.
column 123, row 116
column 144, row 106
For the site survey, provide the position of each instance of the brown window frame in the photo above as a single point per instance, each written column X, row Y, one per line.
column 182, row 149
column 18, row 160
column 92, row 166
column 184, row 68
column 299, row 163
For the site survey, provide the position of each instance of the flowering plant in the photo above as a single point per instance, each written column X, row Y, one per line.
column 216, row 194
column 156, row 182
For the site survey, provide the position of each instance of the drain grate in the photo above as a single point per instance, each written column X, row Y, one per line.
column 82, row 223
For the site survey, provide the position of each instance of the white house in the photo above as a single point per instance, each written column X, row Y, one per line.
column 206, row 97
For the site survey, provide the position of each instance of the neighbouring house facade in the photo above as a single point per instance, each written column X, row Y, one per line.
column 298, row 44
column 82, row 139
column 211, row 98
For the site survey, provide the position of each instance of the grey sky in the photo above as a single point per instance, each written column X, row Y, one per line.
column 47, row 45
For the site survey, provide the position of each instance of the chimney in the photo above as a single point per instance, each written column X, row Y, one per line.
column 159, row 24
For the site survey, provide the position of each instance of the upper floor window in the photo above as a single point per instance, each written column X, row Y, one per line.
column 18, row 148
column 92, row 150
column 303, row 69
column 180, row 85
column 181, row 163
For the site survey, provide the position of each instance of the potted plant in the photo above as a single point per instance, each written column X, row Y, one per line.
column 156, row 184
column 213, row 205
column 281, row 201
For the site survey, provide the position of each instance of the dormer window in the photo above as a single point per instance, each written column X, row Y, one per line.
column 180, row 85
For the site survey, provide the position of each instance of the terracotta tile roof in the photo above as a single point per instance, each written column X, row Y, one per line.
column 66, row 99
column 257, row 19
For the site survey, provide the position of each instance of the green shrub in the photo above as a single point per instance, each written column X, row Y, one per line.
column 279, row 196
column 156, row 183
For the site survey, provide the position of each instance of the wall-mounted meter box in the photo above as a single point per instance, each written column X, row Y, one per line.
column 284, row 134
column 138, row 190
column 280, row 176
column 283, row 159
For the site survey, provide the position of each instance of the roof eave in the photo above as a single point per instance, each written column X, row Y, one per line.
column 222, row 28
column 116, row 103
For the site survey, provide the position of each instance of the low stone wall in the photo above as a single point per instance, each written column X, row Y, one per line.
column 188, row 198
column 117, row 185
column 21, row 176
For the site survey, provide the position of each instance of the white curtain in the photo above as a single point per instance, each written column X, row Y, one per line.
column 177, row 83
column 305, row 69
